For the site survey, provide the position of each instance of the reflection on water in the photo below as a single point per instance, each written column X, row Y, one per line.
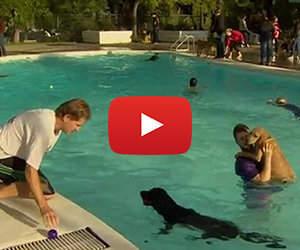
column 259, row 196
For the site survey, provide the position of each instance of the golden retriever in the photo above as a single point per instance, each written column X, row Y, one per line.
column 280, row 168
column 206, row 48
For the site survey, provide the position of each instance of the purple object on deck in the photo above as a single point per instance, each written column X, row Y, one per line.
column 52, row 234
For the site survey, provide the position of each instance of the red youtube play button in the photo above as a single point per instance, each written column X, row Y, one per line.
column 150, row 125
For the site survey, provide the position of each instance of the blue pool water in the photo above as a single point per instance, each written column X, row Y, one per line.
column 84, row 169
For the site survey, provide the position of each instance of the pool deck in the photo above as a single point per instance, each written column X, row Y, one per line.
column 21, row 224
column 250, row 55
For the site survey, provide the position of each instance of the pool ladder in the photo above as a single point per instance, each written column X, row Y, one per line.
column 182, row 40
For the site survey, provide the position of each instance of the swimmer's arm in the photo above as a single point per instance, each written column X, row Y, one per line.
column 256, row 178
column 254, row 157
column 33, row 181
column 265, row 174
column 267, row 151
column 272, row 102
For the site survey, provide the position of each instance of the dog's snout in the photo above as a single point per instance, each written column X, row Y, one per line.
column 143, row 193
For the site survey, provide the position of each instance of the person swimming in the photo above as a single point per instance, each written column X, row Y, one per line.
column 192, row 87
column 153, row 58
column 283, row 102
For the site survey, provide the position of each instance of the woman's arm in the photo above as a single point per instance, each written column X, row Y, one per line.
column 265, row 174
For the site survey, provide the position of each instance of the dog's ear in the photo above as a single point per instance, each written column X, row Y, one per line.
column 264, row 135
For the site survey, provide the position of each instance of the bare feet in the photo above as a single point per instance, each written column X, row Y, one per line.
column 230, row 56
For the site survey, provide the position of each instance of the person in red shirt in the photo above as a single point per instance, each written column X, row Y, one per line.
column 234, row 40
column 277, row 33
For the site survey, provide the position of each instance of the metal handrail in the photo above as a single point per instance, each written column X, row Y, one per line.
column 178, row 40
column 184, row 38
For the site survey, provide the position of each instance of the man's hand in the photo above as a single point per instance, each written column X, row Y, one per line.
column 50, row 218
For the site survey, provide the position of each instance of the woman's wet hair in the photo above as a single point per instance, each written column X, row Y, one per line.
column 193, row 82
column 240, row 128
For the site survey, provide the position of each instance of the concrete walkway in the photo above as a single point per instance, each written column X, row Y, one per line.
column 250, row 55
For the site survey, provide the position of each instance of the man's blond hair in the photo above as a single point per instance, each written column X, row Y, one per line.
column 76, row 108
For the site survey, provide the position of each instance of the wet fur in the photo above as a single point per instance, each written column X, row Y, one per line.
column 205, row 47
column 280, row 168
column 153, row 58
column 173, row 214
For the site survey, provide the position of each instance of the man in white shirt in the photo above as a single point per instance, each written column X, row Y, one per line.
column 24, row 140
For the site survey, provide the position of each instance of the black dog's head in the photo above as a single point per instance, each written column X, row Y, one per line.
column 154, row 196
column 159, row 199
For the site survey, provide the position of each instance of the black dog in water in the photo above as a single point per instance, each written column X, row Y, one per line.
column 153, row 58
column 172, row 213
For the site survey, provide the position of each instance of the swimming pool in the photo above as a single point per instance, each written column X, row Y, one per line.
column 84, row 169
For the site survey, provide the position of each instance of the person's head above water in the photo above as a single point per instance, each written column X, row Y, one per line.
column 281, row 100
column 240, row 134
column 193, row 82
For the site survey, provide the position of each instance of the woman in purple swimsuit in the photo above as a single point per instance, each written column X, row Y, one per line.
column 254, row 174
column 248, row 169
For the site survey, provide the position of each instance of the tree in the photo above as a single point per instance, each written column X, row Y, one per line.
column 150, row 5
column 74, row 16
column 169, row 7
column 22, row 13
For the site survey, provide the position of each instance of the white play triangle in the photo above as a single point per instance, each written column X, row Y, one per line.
column 148, row 124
